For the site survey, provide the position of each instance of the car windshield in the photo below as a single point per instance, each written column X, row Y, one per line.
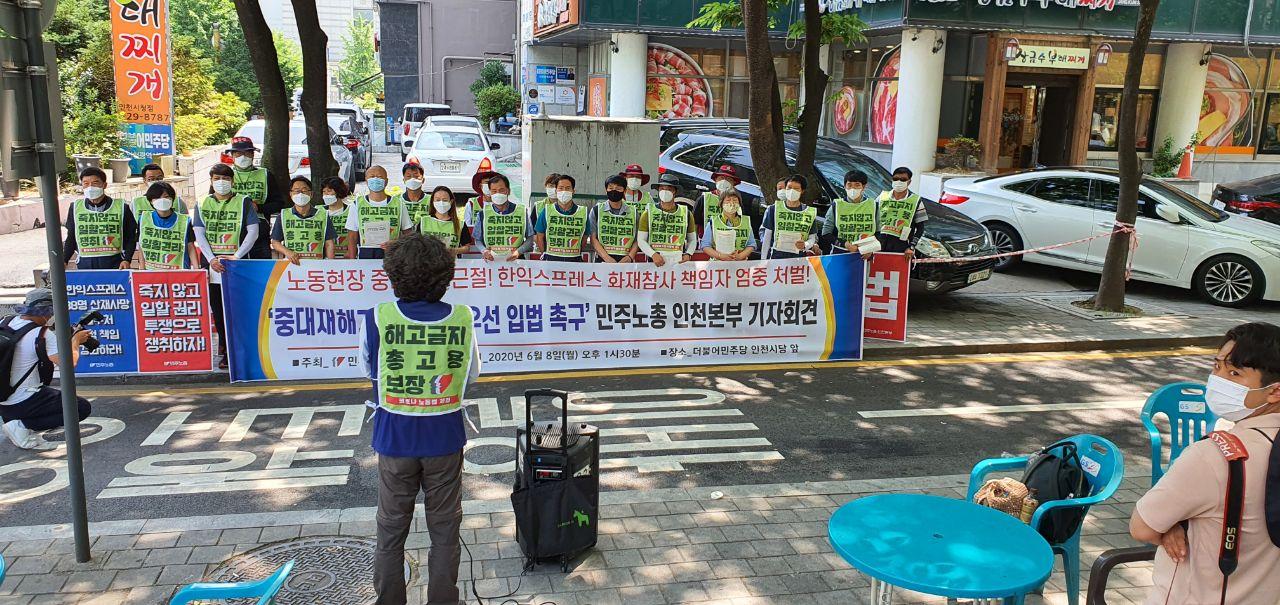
column 254, row 132
column 298, row 133
column 418, row 114
column 1186, row 201
column 454, row 122
column 340, row 125
column 833, row 167
column 434, row 140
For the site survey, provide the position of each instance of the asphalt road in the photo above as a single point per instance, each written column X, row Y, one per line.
column 218, row 449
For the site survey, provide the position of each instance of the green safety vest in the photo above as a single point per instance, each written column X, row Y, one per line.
column 338, row 222
column 896, row 216
column 503, row 233
column 422, row 365
column 251, row 183
column 855, row 220
column 710, row 204
column 142, row 204
column 222, row 223
column 99, row 233
column 786, row 220
column 617, row 232
column 565, row 233
column 305, row 235
column 417, row 209
column 367, row 212
column 163, row 248
column 640, row 205
column 443, row 230
column 667, row 230
column 742, row 232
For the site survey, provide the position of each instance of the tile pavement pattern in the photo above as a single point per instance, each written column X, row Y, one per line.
column 757, row 544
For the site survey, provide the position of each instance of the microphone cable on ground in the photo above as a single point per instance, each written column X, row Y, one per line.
column 471, row 562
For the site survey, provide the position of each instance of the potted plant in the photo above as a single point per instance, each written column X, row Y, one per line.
column 959, row 159
column 93, row 133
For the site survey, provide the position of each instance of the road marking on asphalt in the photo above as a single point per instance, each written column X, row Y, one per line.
column 979, row 410
column 363, row 386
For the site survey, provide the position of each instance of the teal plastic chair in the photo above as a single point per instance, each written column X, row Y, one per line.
column 1, row 569
column 1189, row 421
column 1104, row 471
column 265, row 589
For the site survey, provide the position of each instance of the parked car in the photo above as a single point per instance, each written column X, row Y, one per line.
column 695, row 154
column 1228, row 259
column 1258, row 198
column 345, row 128
column 412, row 118
column 670, row 129
column 451, row 155
column 299, row 162
column 362, row 148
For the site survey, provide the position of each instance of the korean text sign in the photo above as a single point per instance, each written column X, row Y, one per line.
column 140, row 53
column 887, row 284
column 532, row 316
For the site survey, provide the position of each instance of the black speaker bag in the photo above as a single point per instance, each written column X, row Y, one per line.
column 555, row 518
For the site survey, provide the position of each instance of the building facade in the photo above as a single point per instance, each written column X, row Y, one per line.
column 1035, row 82
column 335, row 18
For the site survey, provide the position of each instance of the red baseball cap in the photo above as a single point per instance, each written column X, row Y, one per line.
column 635, row 170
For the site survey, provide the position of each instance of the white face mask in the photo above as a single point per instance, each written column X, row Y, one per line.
column 723, row 186
column 414, row 184
column 666, row 196
column 243, row 161
column 782, row 195
column 484, row 188
column 564, row 196
column 551, row 192
column 376, row 184
column 442, row 206
column 900, row 186
column 222, row 187
column 301, row 199
column 1226, row 398
column 730, row 209
column 330, row 200
column 633, row 182
column 853, row 193
column 792, row 195
column 499, row 198
column 93, row 193
column 162, row 204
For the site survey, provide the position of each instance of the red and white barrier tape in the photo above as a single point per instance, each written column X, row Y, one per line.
column 1119, row 228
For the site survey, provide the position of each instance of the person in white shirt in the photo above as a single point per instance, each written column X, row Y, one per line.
column 33, row 406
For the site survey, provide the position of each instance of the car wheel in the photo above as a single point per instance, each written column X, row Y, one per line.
column 1229, row 281
column 1005, row 239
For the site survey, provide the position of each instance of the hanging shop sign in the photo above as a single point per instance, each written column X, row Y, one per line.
column 140, row 58
column 1050, row 57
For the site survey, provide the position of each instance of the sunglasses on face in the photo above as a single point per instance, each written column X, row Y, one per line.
column 901, row 180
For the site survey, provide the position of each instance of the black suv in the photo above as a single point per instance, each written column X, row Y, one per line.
column 696, row 153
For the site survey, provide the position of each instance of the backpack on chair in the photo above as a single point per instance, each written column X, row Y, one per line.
column 1055, row 474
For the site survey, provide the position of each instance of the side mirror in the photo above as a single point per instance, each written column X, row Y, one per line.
column 702, row 187
column 408, row 142
column 494, row 146
column 1169, row 213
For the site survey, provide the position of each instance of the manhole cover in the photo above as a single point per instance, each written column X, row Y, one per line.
column 329, row 570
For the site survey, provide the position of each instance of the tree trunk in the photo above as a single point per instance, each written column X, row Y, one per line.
column 764, row 106
column 1110, row 295
column 275, row 101
column 815, row 89
column 315, row 91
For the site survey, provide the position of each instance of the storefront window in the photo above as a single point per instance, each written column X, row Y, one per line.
column 1270, row 125
column 1112, row 74
column 1106, row 112
column 884, row 98
column 1227, row 117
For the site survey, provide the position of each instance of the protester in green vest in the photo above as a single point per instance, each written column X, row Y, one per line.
column 790, row 228
column 617, row 221
column 667, row 231
column 165, row 237
column 444, row 223
column 153, row 173
column 334, row 193
column 564, row 227
column 256, row 183
column 549, row 189
column 226, row 227
column 420, row 353
column 503, row 229
column 853, row 219
column 902, row 215
column 781, row 195
column 728, row 236
column 633, row 196
column 102, row 232
column 304, row 231
column 413, row 197
column 376, row 219
column 470, row 209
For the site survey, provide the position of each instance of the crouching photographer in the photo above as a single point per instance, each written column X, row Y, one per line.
column 28, row 355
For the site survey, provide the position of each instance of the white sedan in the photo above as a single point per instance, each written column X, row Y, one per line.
column 1230, row 260
column 450, row 155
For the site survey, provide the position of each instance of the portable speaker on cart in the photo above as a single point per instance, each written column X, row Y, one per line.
column 557, row 485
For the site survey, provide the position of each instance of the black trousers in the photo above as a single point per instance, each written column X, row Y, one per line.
column 43, row 410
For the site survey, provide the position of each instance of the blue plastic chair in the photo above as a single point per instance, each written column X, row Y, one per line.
column 1, row 569
column 1189, row 421
column 1104, row 479
column 265, row 589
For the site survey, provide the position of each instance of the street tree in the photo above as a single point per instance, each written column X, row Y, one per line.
column 491, row 73
column 1111, row 288
column 275, row 100
column 315, row 89
column 359, row 65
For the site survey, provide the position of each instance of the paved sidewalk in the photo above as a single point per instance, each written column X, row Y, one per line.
column 755, row 545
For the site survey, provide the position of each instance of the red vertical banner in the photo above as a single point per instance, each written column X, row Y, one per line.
column 172, row 312
column 885, row 310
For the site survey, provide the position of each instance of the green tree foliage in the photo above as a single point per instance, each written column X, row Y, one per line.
column 202, row 114
column 358, row 63
column 214, row 29
column 290, row 56
column 491, row 73
column 93, row 130
column 69, row 30
column 493, row 102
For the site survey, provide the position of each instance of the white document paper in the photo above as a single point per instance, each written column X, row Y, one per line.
column 376, row 233
column 787, row 241
column 867, row 245
column 726, row 241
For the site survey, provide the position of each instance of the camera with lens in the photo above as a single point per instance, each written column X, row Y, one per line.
column 91, row 344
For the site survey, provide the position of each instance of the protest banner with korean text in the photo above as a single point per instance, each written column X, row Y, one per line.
column 888, row 281
column 536, row 316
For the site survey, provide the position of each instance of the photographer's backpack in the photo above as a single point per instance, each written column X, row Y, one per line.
column 9, row 339
column 1055, row 474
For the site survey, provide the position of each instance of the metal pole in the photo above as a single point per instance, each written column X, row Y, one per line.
column 39, row 74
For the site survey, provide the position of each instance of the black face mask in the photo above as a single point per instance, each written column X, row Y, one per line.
column 613, row 195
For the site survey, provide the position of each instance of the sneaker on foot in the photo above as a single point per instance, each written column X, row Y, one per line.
column 20, row 435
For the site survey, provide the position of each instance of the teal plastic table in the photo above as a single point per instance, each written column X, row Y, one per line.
column 940, row 546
